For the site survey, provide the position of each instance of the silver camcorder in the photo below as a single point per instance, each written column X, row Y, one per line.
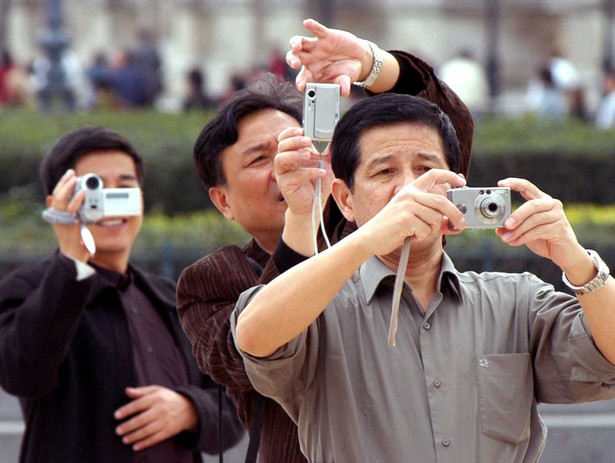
column 482, row 207
column 102, row 202
column 321, row 110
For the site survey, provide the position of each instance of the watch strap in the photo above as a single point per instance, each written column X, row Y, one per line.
column 597, row 282
column 376, row 66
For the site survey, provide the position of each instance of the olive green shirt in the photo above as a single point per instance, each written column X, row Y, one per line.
column 462, row 384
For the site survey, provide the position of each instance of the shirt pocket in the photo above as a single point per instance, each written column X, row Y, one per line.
column 505, row 393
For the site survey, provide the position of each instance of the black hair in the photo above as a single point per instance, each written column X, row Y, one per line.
column 75, row 144
column 221, row 132
column 381, row 110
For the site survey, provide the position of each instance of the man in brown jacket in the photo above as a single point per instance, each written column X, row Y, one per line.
column 234, row 156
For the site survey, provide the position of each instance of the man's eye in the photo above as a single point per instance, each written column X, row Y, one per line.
column 387, row 171
column 423, row 169
column 258, row 159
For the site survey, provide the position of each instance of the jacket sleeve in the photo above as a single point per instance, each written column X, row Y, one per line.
column 211, row 403
column 40, row 309
column 206, row 295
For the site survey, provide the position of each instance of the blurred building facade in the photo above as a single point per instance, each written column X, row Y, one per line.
column 511, row 37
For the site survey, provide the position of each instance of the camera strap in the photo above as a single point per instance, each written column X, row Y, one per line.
column 54, row 216
column 399, row 284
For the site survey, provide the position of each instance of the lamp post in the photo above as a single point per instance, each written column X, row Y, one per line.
column 54, row 42
column 492, row 18
column 608, row 8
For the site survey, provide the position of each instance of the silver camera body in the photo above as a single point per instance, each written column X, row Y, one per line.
column 102, row 202
column 482, row 207
column 321, row 110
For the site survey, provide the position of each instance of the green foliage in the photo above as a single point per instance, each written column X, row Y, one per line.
column 24, row 231
column 507, row 136
column 164, row 140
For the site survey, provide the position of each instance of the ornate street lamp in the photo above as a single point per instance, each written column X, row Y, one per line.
column 54, row 42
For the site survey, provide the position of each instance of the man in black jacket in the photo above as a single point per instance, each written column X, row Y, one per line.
column 90, row 344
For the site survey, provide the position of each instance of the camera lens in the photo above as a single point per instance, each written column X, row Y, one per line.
column 92, row 182
column 490, row 209
column 311, row 93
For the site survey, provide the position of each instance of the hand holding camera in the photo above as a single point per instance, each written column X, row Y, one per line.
column 83, row 200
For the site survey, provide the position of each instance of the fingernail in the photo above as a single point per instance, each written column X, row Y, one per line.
column 506, row 236
column 510, row 222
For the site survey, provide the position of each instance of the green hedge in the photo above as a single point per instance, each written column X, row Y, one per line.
column 571, row 161
column 164, row 140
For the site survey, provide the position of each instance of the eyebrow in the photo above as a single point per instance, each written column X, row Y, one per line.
column 387, row 157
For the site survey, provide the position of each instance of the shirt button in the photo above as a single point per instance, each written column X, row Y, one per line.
column 427, row 325
column 437, row 383
column 446, row 442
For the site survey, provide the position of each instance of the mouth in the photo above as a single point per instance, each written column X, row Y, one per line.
column 112, row 222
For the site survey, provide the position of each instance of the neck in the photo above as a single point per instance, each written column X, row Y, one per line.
column 268, row 243
column 116, row 262
column 422, row 271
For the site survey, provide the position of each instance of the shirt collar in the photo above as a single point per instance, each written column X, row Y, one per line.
column 374, row 274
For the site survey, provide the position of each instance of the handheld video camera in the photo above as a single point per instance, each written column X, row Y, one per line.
column 483, row 207
column 102, row 202
column 321, row 110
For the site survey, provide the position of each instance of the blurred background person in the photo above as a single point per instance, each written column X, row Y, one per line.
column 544, row 98
column 605, row 116
column 196, row 97
column 15, row 88
column 98, row 74
column 467, row 78
column 126, row 81
column 149, row 65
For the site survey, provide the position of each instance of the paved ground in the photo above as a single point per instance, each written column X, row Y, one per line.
column 577, row 434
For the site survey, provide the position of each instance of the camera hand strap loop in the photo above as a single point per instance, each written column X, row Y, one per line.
column 54, row 216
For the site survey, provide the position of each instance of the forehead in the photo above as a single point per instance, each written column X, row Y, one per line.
column 263, row 124
column 400, row 138
column 103, row 162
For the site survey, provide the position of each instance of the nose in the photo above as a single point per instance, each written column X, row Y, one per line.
column 406, row 177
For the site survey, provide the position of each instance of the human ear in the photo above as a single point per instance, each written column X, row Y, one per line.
column 343, row 197
column 219, row 196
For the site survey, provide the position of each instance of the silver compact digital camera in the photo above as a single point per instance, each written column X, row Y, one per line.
column 102, row 202
column 321, row 110
column 482, row 207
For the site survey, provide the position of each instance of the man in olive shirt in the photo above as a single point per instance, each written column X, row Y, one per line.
column 475, row 353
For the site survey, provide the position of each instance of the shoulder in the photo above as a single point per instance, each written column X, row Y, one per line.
column 510, row 286
column 31, row 273
column 223, row 263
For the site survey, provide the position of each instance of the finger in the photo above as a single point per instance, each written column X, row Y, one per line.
column 70, row 173
column 295, row 143
column 316, row 28
column 526, row 188
column 438, row 177
column 529, row 213
column 292, row 59
column 151, row 440
column 137, row 429
column 289, row 132
column 141, row 402
column 76, row 201
column 303, row 77
column 345, row 83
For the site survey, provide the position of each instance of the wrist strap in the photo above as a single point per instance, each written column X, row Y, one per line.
column 59, row 217
column 376, row 67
